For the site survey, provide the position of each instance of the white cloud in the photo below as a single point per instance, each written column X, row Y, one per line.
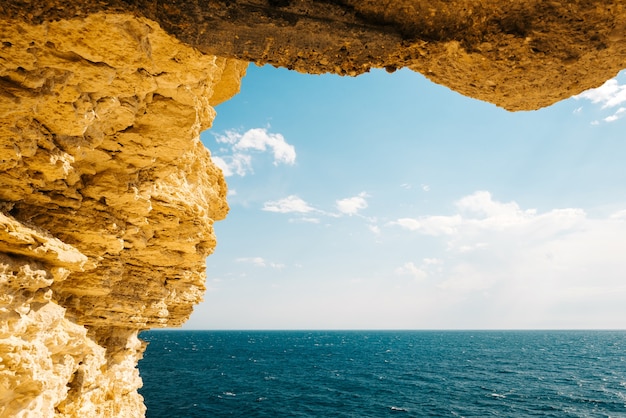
column 240, row 164
column 617, row 115
column 425, row 187
column 610, row 94
column 482, row 203
column 408, row 223
column 289, row 204
column 430, row 225
column 471, row 247
column 479, row 212
column 427, row 268
column 523, row 256
column 239, row 161
column 257, row 261
column 260, row 140
column 305, row 220
column 374, row 228
column 432, row 261
column 352, row 205
column 295, row 205
column 480, row 208
column 410, row 269
column 228, row 137
column 260, row 262
column 619, row 216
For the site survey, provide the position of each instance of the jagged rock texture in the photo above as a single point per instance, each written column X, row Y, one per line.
column 107, row 197
column 107, row 204
column 518, row 54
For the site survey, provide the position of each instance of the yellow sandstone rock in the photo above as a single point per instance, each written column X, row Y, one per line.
column 107, row 204
column 517, row 54
column 107, row 196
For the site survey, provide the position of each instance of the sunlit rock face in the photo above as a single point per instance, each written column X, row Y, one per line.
column 107, row 204
column 518, row 54
column 107, row 197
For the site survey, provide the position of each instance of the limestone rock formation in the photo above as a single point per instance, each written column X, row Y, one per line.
column 107, row 202
column 107, row 197
column 518, row 54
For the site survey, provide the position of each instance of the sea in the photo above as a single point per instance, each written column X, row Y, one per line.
column 384, row 373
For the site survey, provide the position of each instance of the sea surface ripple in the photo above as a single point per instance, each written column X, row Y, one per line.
column 384, row 373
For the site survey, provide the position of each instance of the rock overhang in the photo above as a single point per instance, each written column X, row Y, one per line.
column 519, row 55
column 108, row 198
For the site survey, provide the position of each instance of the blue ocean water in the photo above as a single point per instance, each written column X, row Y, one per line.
column 384, row 373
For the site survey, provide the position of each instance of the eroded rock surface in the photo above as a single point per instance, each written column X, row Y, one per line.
column 107, row 204
column 107, row 197
column 518, row 54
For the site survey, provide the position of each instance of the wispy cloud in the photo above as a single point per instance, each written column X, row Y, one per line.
column 257, row 261
column 609, row 95
column 374, row 228
column 425, row 269
column 239, row 164
column 289, row 204
column 294, row 204
column 499, row 247
column 479, row 211
column 305, row 219
column 237, row 157
column 410, row 269
column 408, row 186
column 617, row 115
column 260, row 262
column 620, row 215
column 352, row 205
column 430, row 225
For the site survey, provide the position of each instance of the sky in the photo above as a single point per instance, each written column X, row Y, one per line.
column 386, row 201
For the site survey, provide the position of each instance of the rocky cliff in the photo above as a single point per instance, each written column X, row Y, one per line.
column 107, row 197
column 107, row 202
column 518, row 54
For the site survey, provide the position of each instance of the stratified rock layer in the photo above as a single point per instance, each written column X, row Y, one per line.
column 518, row 54
column 107, row 204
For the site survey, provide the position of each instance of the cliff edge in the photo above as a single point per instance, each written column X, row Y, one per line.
column 107, row 196
column 107, row 202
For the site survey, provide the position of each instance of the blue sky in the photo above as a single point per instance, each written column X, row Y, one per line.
column 388, row 202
